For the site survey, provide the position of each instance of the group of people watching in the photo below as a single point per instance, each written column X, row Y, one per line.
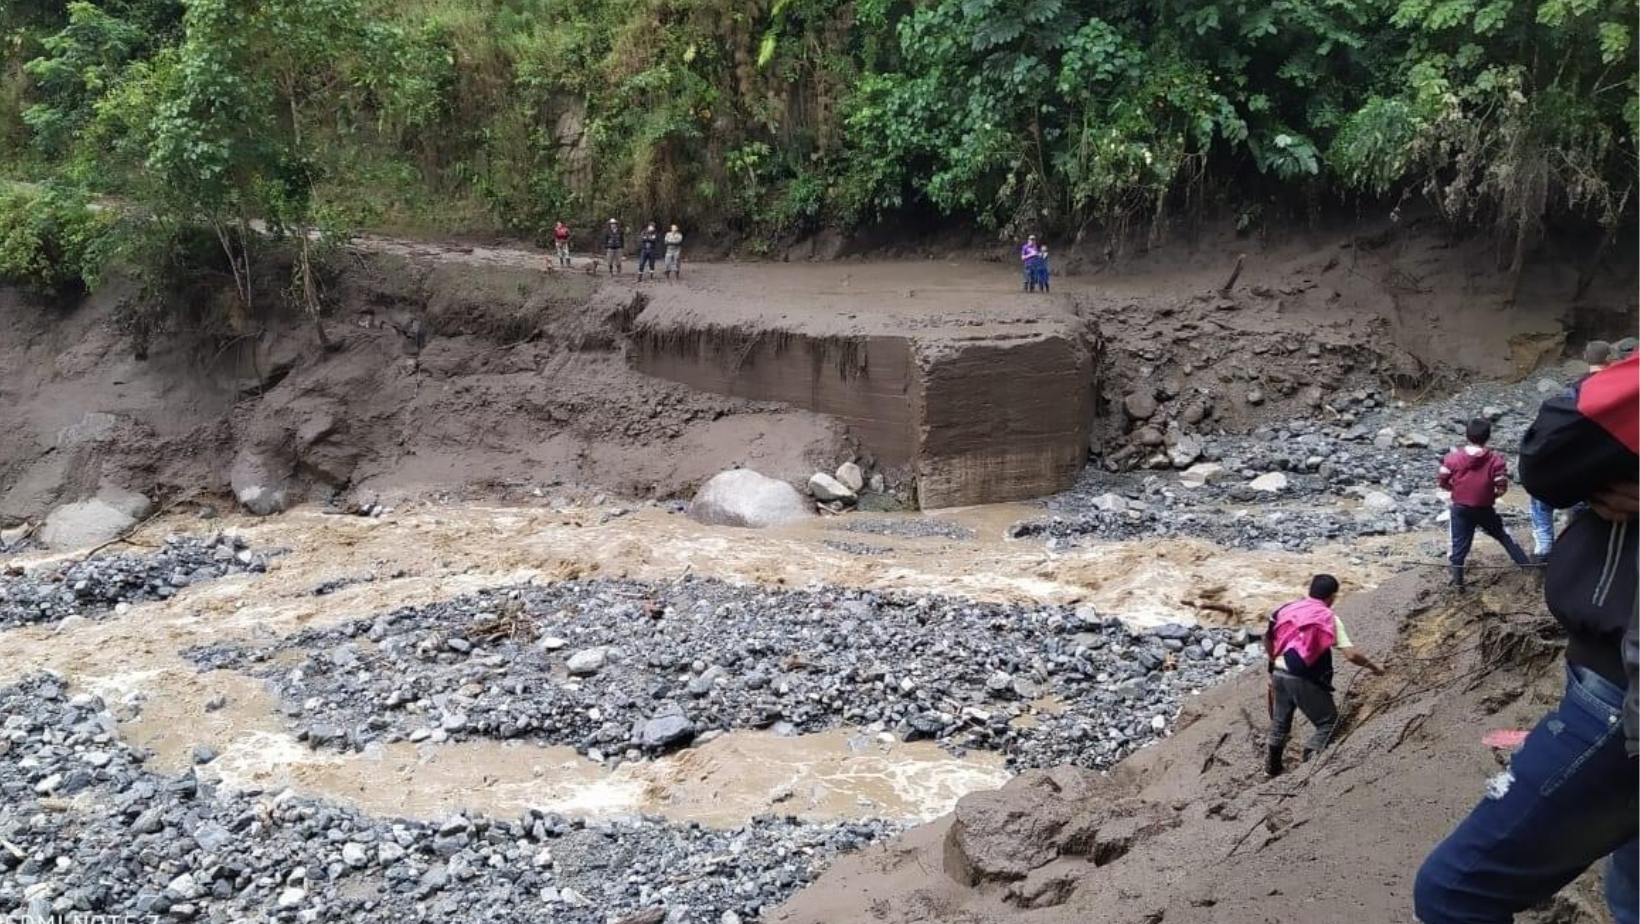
column 1569, row 796
column 614, row 246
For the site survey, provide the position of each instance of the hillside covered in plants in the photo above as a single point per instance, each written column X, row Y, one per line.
column 772, row 119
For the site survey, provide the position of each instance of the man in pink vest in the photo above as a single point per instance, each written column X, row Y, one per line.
column 1300, row 641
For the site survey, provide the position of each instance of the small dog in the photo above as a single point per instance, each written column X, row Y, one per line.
column 592, row 266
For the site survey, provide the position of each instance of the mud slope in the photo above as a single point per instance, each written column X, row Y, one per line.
column 1190, row 831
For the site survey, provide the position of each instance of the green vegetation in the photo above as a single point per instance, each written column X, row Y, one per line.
column 307, row 119
column 51, row 241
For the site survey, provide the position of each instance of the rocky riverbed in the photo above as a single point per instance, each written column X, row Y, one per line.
column 621, row 670
column 86, row 829
column 1364, row 467
column 80, row 589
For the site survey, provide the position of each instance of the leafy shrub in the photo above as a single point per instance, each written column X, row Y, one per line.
column 51, row 241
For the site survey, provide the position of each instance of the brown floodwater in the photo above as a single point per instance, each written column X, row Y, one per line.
column 424, row 553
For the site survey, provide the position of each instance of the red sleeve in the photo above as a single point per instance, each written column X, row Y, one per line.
column 1500, row 474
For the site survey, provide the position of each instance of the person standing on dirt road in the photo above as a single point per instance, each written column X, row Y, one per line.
column 674, row 254
column 1300, row 641
column 1028, row 255
column 1476, row 477
column 560, row 241
column 1568, row 797
column 648, row 239
column 614, row 244
column 1042, row 270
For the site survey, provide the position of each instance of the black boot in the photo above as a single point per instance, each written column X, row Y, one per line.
column 1457, row 577
column 1272, row 762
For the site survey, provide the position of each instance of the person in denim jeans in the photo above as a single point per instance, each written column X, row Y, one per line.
column 1569, row 797
column 1543, row 530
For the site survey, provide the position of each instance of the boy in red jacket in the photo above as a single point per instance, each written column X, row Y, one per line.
column 1477, row 477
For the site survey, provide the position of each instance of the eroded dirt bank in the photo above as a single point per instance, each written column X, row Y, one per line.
column 472, row 369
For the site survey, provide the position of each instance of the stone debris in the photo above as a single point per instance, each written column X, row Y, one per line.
column 143, row 844
column 722, row 657
column 105, row 584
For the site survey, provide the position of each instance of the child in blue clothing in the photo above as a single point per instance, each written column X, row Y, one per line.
column 1041, row 269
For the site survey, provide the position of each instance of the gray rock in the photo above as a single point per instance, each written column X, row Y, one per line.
column 262, row 481
column 86, row 523
column 355, row 855
column 1186, row 450
column 211, row 838
column 588, row 661
column 1140, row 406
column 185, row 887
column 742, row 497
column 1112, row 502
column 851, row 476
column 150, row 821
column 826, row 488
column 1270, row 482
column 1202, row 474
column 130, row 503
column 292, row 896
column 1378, row 502
column 1492, row 412
column 666, row 731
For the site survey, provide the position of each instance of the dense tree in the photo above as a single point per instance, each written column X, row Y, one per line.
column 299, row 120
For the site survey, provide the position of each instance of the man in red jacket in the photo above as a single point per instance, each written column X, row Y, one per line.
column 1477, row 477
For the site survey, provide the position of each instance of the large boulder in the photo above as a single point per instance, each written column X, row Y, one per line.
column 826, row 488
column 1140, row 406
column 742, row 497
column 87, row 522
column 130, row 503
column 261, row 484
column 851, row 476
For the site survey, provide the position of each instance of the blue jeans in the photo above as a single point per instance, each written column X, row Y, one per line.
column 1543, row 527
column 1568, row 799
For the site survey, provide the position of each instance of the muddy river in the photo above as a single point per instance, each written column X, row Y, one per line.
column 420, row 553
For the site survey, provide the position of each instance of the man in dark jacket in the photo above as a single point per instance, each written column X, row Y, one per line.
column 1477, row 477
column 614, row 245
column 647, row 239
column 1569, row 796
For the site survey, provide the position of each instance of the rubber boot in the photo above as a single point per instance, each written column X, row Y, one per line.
column 1457, row 577
column 1272, row 762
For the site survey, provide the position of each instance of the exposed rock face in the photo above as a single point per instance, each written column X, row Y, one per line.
column 742, row 497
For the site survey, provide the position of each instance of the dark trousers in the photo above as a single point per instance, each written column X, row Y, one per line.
column 1567, row 800
column 1465, row 520
column 1293, row 695
column 646, row 260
